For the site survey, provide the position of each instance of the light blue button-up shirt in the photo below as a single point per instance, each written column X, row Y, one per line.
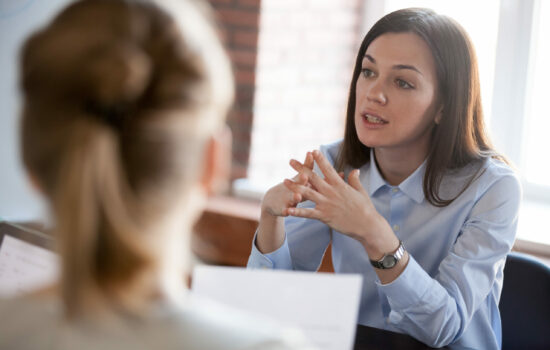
column 450, row 288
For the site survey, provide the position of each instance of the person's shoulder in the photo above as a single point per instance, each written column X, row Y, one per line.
column 480, row 177
column 484, row 171
column 331, row 150
column 490, row 176
column 211, row 325
column 22, row 306
column 26, row 322
column 496, row 171
column 200, row 324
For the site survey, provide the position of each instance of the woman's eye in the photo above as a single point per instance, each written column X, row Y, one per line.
column 367, row 73
column 403, row 84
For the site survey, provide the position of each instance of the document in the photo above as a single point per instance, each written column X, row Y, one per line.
column 323, row 306
column 25, row 267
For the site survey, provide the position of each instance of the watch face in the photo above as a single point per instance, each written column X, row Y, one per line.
column 389, row 261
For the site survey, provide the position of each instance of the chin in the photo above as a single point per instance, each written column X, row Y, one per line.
column 369, row 142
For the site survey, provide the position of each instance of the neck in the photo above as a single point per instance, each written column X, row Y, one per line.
column 397, row 165
column 175, row 255
column 172, row 266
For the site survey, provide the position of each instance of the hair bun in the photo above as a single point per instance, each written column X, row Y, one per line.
column 116, row 75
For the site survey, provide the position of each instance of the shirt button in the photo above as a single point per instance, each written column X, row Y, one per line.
column 395, row 189
column 396, row 228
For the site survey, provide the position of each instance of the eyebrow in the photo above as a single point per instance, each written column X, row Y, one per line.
column 397, row 66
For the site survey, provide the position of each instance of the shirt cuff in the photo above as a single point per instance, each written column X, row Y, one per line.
column 278, row 259
column 407, row 289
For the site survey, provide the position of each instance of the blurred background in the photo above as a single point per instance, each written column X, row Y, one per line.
column 292, row 61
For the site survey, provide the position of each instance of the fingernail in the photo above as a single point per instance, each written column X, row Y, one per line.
column 290, row 211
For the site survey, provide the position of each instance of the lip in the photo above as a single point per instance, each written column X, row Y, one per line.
column 371, row 125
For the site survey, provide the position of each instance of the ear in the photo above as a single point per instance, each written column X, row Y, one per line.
column 217, row 162
column 438, row 115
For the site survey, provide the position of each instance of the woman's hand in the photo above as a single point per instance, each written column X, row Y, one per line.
column 345, row 207
column 276, row 204
column 278, row 199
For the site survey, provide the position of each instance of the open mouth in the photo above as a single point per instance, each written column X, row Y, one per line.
column 374, row 119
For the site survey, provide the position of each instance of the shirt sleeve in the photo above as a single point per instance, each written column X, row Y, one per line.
column 304, row 246
column 279, row 259
column 437, row 310
column 305, row 242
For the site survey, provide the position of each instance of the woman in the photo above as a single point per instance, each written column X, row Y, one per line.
column 429, row 209
column 122, row 131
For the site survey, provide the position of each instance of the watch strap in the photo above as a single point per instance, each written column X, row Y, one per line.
column 389, row 260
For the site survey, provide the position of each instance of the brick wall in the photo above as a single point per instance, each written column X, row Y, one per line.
column 292, row 61
column 238, row 21
column 306, row 53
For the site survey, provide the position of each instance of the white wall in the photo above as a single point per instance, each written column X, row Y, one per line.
column 18, row 18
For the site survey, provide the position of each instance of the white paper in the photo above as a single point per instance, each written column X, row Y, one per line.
column 25, row 267
column 323, row 306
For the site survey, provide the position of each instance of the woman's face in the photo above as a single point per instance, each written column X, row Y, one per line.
column 396, row 94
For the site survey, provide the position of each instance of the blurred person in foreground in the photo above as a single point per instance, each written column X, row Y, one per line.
column 123, row 133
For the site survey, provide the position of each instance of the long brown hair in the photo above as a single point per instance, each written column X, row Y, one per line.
column 119, row 99
column 461, row 137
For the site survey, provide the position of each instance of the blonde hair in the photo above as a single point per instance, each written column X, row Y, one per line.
column 119, row 99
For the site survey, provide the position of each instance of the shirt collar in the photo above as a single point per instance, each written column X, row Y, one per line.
column 376, row 181
column 411, row 186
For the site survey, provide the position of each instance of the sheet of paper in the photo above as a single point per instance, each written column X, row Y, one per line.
column 323, row 306
column 25, row 267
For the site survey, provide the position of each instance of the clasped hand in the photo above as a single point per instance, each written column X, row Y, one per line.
column 345, row 207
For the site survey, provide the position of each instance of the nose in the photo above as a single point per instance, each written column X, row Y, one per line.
column 376, row 93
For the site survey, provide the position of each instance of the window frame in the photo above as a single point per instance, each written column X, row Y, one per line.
column 518, row 25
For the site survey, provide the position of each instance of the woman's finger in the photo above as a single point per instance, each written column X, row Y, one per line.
column 302, row 179
column 305, row 192
column 309, row 213
column 309, row 161
column 354, row 181
column 326, row 168
column 296, row 198
column 318, row 183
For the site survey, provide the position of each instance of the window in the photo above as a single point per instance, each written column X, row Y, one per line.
column 533, row 144
column 537, row 117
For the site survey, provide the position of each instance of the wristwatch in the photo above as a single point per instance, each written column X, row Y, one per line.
column 389, row 260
